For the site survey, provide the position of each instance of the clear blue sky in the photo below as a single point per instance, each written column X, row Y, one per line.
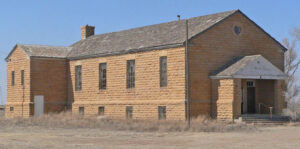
column 57, row 22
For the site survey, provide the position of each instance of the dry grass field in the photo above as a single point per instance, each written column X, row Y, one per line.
column 73, row 132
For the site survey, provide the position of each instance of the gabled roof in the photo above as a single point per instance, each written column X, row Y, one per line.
column 153, row 36
column 43, row 51
column 158, row 36
column 249, row 67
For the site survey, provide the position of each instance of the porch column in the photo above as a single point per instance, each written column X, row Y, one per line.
column 279, row 101
column 229, row 99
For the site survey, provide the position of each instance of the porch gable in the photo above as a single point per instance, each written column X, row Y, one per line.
column 249, row 67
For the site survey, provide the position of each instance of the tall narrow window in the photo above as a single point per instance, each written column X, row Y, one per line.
column 22, row 77
column 101, row 111
column 102, row 76
column 78, row 78
column 130, row 73
column 81, row 110
column 129, row 111
column 163, row 71
column 12, row 78
column 162, row 112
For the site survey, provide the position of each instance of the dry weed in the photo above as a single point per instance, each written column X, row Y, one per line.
column 68, row 121
column 1, row 113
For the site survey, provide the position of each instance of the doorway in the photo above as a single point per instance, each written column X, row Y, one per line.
column 250, row 97
column 38, row 106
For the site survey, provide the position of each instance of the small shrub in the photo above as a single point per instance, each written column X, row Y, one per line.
column 293, row 111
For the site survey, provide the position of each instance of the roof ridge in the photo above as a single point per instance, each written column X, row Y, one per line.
column 146, row 36
column 181, row 20
column 38, row 45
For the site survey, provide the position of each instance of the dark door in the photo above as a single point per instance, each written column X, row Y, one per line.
column 251, row 99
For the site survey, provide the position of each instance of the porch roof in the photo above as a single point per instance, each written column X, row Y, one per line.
column 249, row 67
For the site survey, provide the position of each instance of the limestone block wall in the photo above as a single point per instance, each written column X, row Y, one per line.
column 200, row 108
column 141, row 110
column 49, row 79
column 229, row 98
column 18, row 96
column 279, row 99
column 42, row 76
column 147, row 94
column 219, row 45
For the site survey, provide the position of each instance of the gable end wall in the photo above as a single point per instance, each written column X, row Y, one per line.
column 219, row 45
column 18, row 96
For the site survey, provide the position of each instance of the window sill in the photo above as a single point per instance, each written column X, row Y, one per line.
column 78, row 91
column 102, row 91
column 163, row 88
column 130, row 90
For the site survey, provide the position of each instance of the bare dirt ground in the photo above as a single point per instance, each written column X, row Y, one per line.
column 36, row 138
column 45, row 133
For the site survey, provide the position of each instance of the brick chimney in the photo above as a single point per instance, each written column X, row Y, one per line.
column 87, row 31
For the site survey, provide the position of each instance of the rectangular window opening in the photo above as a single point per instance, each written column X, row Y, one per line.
column 101, row 111
column 130, row 73
column 81, row 110
column 250, row 84
column 12, row 78
column 129, row 111
column 22, row 77
column 162, row 112
column 102, row 76
column 163, row 71
column 11, row 108
column 78, row 74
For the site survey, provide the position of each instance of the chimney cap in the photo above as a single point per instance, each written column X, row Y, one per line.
column 87, row 31
column 88, row 26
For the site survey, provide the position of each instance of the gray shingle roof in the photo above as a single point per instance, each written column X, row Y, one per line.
column 46, row 51
column 251, row 67
column 234, row 65
column 43, row 51
column 158, row 36
column 127, row 41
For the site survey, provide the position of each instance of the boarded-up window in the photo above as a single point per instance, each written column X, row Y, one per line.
column 129, row 111
column 161, row 112
column 81, row 110
column 102, row 76
column 78, row 82
column 22, row 77
column 101, row 111
column 163, row 71
column 130, row 73
column 12, row 78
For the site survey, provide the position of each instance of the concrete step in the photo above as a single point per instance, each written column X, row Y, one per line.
column 264, row 119
column 267, row 123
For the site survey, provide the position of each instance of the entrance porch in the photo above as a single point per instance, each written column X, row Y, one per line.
column 248, row 85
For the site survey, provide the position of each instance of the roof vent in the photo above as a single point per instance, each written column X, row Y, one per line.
column 87, row 31
column 178, row 16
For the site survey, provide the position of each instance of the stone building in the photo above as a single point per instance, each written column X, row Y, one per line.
column 232, row 67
